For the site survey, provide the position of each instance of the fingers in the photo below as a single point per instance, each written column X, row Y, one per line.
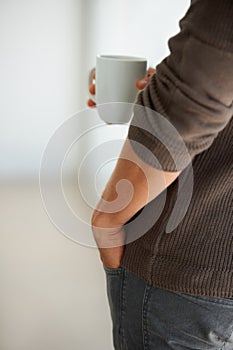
column 92, row 77
column 92, row 89
column 91, row 103
column 142, row 83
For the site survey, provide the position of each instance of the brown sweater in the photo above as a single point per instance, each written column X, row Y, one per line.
column 193, row 90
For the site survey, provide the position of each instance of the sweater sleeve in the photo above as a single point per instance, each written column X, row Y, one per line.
column 192, row 90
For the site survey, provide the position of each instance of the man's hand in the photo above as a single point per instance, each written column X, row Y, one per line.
column 108, row 229
column 90, row 102
column 110, row 240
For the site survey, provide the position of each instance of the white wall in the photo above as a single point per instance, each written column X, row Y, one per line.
column 41, row 45
column 133, row 27
column 52, row 294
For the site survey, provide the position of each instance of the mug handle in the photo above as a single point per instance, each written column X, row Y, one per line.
column 90, row 81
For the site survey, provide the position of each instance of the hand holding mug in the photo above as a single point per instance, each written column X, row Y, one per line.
column 141, row 84
column 114, row 86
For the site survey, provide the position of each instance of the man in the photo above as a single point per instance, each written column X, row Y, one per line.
column 174, row 290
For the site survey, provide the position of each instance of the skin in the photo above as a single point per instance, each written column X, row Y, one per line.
column 146, row 184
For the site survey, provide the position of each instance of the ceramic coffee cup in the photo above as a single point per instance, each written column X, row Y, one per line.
column 116, row 90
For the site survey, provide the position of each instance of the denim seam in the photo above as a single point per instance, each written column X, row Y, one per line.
column 123, row 344
column 226, row 341
column 145, row 304
column 205, row 299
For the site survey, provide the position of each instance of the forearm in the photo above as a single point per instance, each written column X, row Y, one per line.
column 132, row 185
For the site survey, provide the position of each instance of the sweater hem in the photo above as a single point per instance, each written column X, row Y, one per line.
column 207, row 282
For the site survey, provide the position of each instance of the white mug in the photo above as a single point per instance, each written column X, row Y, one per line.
column 116, row 90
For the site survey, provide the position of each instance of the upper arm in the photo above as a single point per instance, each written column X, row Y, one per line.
column 192, row 89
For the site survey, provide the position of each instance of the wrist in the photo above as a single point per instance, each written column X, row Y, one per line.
column 106, row 220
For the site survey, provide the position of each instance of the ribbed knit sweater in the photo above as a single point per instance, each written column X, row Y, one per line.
column 193, row 90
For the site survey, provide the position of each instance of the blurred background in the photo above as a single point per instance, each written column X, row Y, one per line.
column 52, row 293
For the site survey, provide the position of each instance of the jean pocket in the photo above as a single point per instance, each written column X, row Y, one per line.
column 113, row 271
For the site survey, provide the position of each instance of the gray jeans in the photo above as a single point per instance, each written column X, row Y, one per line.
column 148, row 318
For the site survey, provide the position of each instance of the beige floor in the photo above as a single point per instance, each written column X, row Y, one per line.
column 52, row 294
